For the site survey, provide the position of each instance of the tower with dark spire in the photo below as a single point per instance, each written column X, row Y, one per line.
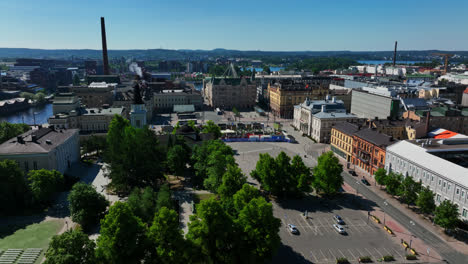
column 138, row 113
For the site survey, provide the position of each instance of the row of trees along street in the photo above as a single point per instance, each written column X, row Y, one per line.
column 411, row 192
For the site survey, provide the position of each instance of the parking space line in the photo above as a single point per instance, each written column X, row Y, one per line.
column 342, row 253
column 390, row 253
column 354, row 257
column 322, row 225
column 286, row 226
column 360, row 254
column 378, row 252
column 370, row 253
column 398, row 253
column 313, row 255
column 332, row 255
column 305, row 220
column 324, row 257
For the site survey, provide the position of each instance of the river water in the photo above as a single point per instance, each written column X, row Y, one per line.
column 40, row 113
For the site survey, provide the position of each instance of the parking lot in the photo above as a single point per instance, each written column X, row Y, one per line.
column 319, row 242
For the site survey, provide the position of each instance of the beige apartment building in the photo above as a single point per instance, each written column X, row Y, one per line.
column 226, row 93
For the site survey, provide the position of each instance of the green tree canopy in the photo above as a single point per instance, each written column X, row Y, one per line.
column 134, row 156
column 281, row 177
column 87, row 206
column 71, row 247
column 44, row 183
column 166, row 242
column 266, row 69
column 122, row 238
column 408, row 190
column 212, row 230
column 9, row 131
column 143, row 203
column 232, row 181
column 393, row 182
column 260, row 238
column 177, row 158
column 13, row 187
column 446, row 215
column 211, row 127
column 164, row 197
column 426, row 201
column 327, row 174
column 380, row 176
column 217, row 166
column 244, row 196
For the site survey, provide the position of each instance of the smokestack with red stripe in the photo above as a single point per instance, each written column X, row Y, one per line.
column 105, row 60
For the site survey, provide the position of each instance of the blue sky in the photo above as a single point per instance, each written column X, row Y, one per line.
column 244, row 25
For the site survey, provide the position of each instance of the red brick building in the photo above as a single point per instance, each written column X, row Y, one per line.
column 369, row 149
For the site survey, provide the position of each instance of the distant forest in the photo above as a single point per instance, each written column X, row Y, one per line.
column 266, row 56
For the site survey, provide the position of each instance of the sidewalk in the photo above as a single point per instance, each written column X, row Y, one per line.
column 418, row 218
column 400, row 233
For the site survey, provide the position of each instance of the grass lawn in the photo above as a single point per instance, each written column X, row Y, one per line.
column 202, row 196
column 33, row 236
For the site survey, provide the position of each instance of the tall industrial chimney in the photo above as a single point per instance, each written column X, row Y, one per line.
column 105, row 60
column 394, row 54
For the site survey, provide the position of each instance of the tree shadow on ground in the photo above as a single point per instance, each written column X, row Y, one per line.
column 286, row 254
column 327, row 204
column 9, row 225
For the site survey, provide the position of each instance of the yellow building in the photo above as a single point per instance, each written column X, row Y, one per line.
column 285, row 94
column 342, row 139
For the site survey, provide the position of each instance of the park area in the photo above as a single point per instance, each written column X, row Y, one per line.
column 27, row 244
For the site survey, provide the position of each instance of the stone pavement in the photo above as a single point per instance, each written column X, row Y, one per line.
column 418, row 218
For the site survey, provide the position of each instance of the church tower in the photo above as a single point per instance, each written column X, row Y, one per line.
column 138, row 113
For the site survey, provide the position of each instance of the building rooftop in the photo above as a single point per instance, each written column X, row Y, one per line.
column 103, row 111
column 65, row 98
column 42, row 140
column 347, row 128
column 184, row 108
column 332, row 115
column 424, row 155
column 375, row 137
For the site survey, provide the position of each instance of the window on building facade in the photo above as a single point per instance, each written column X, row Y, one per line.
column 445, row 183
column 440, row 181
column 463, row 194
column 448, row 187
column 458, row 191
column 464, row 212
column 438, row 197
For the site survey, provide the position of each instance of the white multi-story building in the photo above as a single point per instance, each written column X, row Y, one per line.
column 45, row 148
column 441, row 165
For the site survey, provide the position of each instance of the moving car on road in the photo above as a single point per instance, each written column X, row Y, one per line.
column 338, row 219
column 293, row 229
column 339, row 228
column 353, row 173
column 364, row 181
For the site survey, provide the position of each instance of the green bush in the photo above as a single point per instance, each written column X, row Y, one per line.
column 388, row 258
column 411, row 257
column 365, row 259
column 342, row 260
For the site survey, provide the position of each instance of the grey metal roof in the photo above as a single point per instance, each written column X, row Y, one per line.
column 184, row 108
column 375, row 137
column 347, row 128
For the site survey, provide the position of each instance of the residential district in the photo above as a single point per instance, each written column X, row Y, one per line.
column 206, row 161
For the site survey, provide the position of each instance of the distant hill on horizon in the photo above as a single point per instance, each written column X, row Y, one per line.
column 185, row 54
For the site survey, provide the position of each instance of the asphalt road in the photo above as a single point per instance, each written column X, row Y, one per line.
column 449, row 254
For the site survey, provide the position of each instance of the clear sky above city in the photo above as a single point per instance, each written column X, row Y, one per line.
column 244, row 25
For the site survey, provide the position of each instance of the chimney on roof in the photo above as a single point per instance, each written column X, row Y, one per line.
column 105, row 60
column 33, row 138
column 323, row 108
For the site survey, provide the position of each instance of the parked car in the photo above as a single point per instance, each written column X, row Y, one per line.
column 364, row 181
column 293, row 229
column 339, row 229
column 353, row 173
column 338, row 219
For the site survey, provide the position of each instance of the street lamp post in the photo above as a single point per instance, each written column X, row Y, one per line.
column 385, row 203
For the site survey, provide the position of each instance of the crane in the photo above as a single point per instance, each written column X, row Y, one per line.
column 446, row 56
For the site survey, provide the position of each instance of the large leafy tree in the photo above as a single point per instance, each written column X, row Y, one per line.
column 177, row 158
column 327, row 174
column 426, row 201
column 200, row 158
column 71, row 247
column 446, row 215
column 87, row 206
column 380, row 176
column 233, row 180
column 212, row 230
column 281, row 177
column 244, row 196
column 143, row 203
column 44, row 183
column 13, row 187
column 134, row 155
column 260, row 239
column 408, row 190
column 122, row 238
column 211, row 127
column 392, row 183
column 217, row 166
column 163, row 198
column 166, row 242
column 9, row 130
